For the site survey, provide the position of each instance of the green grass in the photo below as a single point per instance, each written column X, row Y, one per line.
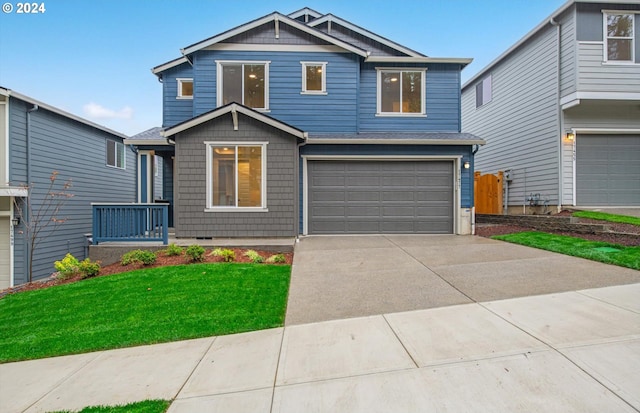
column 142, row 307
column 603, row 216
column 147, row 406
column 577, row 247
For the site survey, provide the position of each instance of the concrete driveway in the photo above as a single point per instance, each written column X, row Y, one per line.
column 336, row 277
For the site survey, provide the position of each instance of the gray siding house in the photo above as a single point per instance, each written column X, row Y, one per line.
column 560, row 109
column 35, row 140
column 305, row 124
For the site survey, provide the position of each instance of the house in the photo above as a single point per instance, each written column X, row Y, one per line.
column 37, row 139
column 308, row 124
column 560, row 109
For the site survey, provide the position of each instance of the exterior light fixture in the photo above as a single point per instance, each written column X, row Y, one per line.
column 466, row 165
column 570, row 135
column 15, row 221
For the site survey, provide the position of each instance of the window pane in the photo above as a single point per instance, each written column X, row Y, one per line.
column 254, row 86
column 223, row 179
column 231, row 84
column 120, row 155
column 390, row 96
column 187, row 88
column 111, row 153
column 250, row 176
column 619, row 25
column 619, row 49
column 411, row 92
column 314, row 77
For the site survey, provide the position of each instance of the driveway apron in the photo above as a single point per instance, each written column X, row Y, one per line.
column 335, row 277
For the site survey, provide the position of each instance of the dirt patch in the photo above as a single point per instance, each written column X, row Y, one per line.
column 161, row 261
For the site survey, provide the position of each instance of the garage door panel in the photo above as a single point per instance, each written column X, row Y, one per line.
column 329, row 181
column 381, row 197
column 608, row 170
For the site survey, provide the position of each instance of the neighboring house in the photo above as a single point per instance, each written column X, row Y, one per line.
column 560, row 109
column 308, row 124
column 35, row 140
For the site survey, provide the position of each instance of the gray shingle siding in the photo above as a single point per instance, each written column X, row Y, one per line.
column 190, row 190
column 78, row 152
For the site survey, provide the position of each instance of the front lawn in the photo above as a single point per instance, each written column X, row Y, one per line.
column 148, row 406
column 603, row 216
column 577, row 247
column 146, row 306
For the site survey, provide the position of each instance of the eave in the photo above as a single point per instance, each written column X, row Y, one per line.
column 398, row 59
column 169, row 65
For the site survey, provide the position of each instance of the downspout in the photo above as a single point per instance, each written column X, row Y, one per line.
column 27, row 216
column 555, row 23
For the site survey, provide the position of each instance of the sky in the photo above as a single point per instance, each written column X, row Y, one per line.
column 93, row 58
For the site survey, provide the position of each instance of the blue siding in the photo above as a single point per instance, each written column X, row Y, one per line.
column 466, row 175
column 78, row 152
column 175, row 110
column 334, row 112
column 442, row 101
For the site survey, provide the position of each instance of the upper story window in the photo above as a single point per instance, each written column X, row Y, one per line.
column 484, row 91
column 185, row 88
column 115, row 154
column 236, row 176
column 619, row 36
column 246, row 83
column 401, row 91
column 314, row 77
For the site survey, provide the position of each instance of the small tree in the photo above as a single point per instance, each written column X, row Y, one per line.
column 42, row 216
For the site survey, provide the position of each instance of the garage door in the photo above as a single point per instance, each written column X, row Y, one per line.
column 4, row 253
column 359, row 197
column 608, row 170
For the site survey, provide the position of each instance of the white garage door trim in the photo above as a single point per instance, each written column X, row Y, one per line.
column 7, row 237
column 456, row 159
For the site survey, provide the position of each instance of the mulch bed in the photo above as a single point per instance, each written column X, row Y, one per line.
column 161, row 261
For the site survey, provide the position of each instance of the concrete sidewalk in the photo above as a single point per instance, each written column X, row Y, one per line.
column 566, row 352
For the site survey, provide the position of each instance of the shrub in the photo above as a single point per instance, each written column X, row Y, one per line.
column 89, row 268
column 173, row 250
column 226, row 254
column 196, row 253
column 68, row 266
column 277, row 259
column 144, row 256
column 254, row 256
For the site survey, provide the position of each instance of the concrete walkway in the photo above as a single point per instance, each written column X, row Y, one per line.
column 574, row 351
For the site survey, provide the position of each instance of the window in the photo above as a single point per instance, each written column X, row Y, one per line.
column 314, row 75
column 185, row 88
column 619, row 37
column 115, row 154
column 236, row 176
column 401, row 92
column 484, row 92
column 244, row 82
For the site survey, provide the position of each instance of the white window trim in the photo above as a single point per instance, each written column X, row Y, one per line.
column 124, row 155
column 209, row 150
column 323, row 90
column 605, row 38
column 220, row 63
column 180, row 80
column 380, row 70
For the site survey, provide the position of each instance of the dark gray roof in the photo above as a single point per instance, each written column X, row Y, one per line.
column 425, row 138
column 153, row 133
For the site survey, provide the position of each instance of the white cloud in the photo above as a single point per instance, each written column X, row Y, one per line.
column 96, row 111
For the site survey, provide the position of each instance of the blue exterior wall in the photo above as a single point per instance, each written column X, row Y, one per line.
column 442, row 101
column 175, row 110
column 466, row 175
column 78, row 152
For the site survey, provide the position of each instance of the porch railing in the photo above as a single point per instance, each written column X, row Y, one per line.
column 130, row 223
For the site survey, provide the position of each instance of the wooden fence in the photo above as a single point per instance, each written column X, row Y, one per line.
column 487, row 191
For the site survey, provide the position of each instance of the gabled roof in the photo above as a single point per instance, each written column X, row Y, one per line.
column 276, row 18
column 335, row 19
column 306, row 11
column 151, row 136
column 234, row 109
column 13, row 93
column 169, row 65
